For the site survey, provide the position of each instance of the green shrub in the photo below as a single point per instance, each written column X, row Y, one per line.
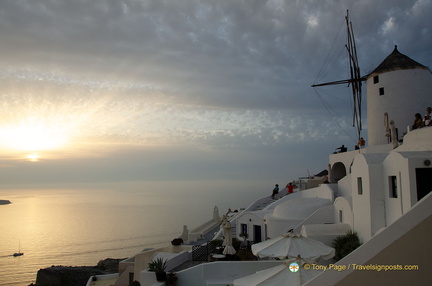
column 345, row 244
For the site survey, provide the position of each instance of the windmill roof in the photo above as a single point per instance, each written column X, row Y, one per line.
column 322, row 173
column 397, row 61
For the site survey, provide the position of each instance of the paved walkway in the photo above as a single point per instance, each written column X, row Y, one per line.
column 207, row 237
column 263, row 204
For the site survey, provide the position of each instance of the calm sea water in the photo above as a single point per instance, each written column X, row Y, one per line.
column 80, row 226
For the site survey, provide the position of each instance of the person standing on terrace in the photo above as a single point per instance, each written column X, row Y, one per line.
column 418, row 122
column 290, row 188
column 275, row 191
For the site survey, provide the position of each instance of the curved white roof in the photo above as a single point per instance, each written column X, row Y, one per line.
column 299, row 208
column 417, row 140
column 374, row 158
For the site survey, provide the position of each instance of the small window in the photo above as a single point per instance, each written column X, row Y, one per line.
column 340, row 216
column 359, row 186
column 393, row 187
column 244, row 228
column 376, row 79
column 381, row 91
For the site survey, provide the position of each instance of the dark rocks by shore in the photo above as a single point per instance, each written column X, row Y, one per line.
column 74, row 276
column 5, row 202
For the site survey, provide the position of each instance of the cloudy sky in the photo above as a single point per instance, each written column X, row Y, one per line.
column 100, row 91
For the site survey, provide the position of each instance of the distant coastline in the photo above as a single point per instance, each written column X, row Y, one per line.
column 5, row 202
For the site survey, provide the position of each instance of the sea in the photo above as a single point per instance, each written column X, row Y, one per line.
column 81, row 225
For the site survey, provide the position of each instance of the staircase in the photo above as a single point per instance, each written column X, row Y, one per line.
column 263, row 204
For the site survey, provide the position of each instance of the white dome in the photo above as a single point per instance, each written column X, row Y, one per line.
column 299, row 208
column 417, row 140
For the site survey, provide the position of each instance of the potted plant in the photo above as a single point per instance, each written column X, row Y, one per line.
column 171, row 279
column 177, row 241
column 158, row 266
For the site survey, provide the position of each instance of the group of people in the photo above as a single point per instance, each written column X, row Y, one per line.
column 424, row 121
column 361, row 143
column 290, row 189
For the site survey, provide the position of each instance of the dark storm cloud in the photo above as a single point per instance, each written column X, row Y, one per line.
column 253, row 54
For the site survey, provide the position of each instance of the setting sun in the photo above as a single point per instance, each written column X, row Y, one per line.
column 33, row 157
column 33, row 134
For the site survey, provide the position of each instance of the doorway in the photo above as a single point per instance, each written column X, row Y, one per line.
column 424, row 182
column 257, row 233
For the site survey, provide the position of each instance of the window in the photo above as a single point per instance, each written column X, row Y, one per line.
column 376, row 79
column 340, row 216
column 359, row 186
column 381, row 91
column 244, row 228
column 393, row 186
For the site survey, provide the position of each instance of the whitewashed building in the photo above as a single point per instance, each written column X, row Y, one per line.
column 400, row 87
column 381, row 191
column 372, row 187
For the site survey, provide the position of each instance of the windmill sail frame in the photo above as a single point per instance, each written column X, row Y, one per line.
column 355, row 78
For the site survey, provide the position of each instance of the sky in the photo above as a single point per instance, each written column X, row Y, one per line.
column 115, row 91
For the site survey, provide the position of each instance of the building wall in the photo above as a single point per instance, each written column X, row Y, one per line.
column 361, row 202
column 406, row 92
column 343, row 211
column 412, row 165
column 336, row 160
column 377, row 206
column 376, row 198
column 250, row 219
column 344, row 187
column 410, row 249
column 404, row 168
column 406, row 242
column 221, row 273
column 368, row 206
column 395, row 165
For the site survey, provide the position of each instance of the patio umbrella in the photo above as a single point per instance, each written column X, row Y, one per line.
column 229, row 249
column 291, row 245
column 291, row 272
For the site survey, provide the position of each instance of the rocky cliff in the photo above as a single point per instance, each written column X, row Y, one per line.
column 74, row 276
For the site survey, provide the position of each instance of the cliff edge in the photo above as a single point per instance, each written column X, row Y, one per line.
column 74, row 276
